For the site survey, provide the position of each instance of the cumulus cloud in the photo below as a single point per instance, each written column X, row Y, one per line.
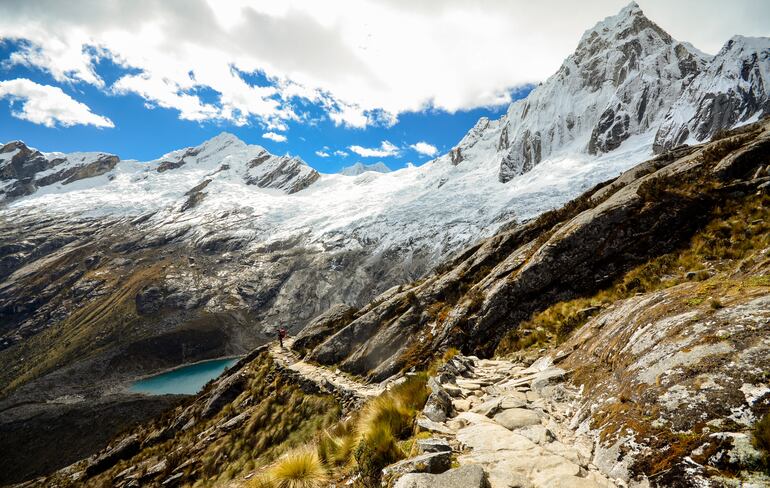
column 423, row 147
column 322, row 154
column 48, row 105
column 340, row 153
column 274, row 137
column 254, row 60
column 386, row 149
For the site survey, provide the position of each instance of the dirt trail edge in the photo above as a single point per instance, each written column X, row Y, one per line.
column 350, row 392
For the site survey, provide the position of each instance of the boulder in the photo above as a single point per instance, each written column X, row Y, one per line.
column 453, row 390
column 434, row 444
column 126, row 448
column 515, row 399
column 489, row 408
column 536, row 433
column 439, row 404
column 514, row 418
column 488, row 437
column 461, row 405
column 434, row 462
column 427, row 425
column 470, row 476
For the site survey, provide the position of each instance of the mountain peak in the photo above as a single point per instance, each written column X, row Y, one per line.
column 358, row 168
column 223, row 139
column 629, row 22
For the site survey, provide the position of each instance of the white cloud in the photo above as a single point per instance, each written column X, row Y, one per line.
column 275, row 137
column 322, row 154
column 385, row 150
column 340, row 153
column 349, row 116
column 423, row 147
column 346, row 56
column 48, row 105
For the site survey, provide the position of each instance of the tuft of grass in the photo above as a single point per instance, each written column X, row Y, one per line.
column 761, row 439
column 301, row 468
column 335, row 445
column 386, row 411
column 261, row 481
column 376, row 449
column 383, row 421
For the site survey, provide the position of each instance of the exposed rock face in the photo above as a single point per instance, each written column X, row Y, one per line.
column 694, row 367
column 285, row 173
column 733, row 89
column 323, row 326
column 24, row 170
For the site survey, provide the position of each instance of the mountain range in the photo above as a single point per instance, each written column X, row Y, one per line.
column 112, row 269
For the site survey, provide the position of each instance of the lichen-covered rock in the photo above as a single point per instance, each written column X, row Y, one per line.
column 434, row 444
column 439, row 404
column 513, row 418
column 433, row 462
column 470, row 476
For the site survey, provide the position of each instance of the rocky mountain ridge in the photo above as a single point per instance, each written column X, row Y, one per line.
column 359, row 168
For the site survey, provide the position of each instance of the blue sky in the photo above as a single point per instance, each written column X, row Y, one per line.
column 146, row 133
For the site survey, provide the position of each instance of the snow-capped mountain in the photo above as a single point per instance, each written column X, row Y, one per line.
column 627, row 77
column 358, row 168
column 733, row 89
column 24, row 170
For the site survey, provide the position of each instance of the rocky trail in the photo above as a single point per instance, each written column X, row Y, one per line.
column 348, row 390
column 508, row 425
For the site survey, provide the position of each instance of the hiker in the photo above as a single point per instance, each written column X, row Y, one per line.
column 281, row 335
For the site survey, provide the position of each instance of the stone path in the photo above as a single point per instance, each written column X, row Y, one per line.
column 513, row 422
column 327, row 380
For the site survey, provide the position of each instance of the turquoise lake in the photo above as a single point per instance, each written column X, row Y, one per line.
column 186, row 380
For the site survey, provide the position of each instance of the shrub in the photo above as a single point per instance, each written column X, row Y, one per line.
column 376, row 449
column 383, row 421
column 761, row 439
column 336, row 445
column 386, row 411
column 299, row 469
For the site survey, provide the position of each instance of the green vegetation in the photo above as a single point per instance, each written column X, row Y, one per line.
column 298, row 469
column 736, row 230
column 385, row 420
column 761, row 439
column 378, row 434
